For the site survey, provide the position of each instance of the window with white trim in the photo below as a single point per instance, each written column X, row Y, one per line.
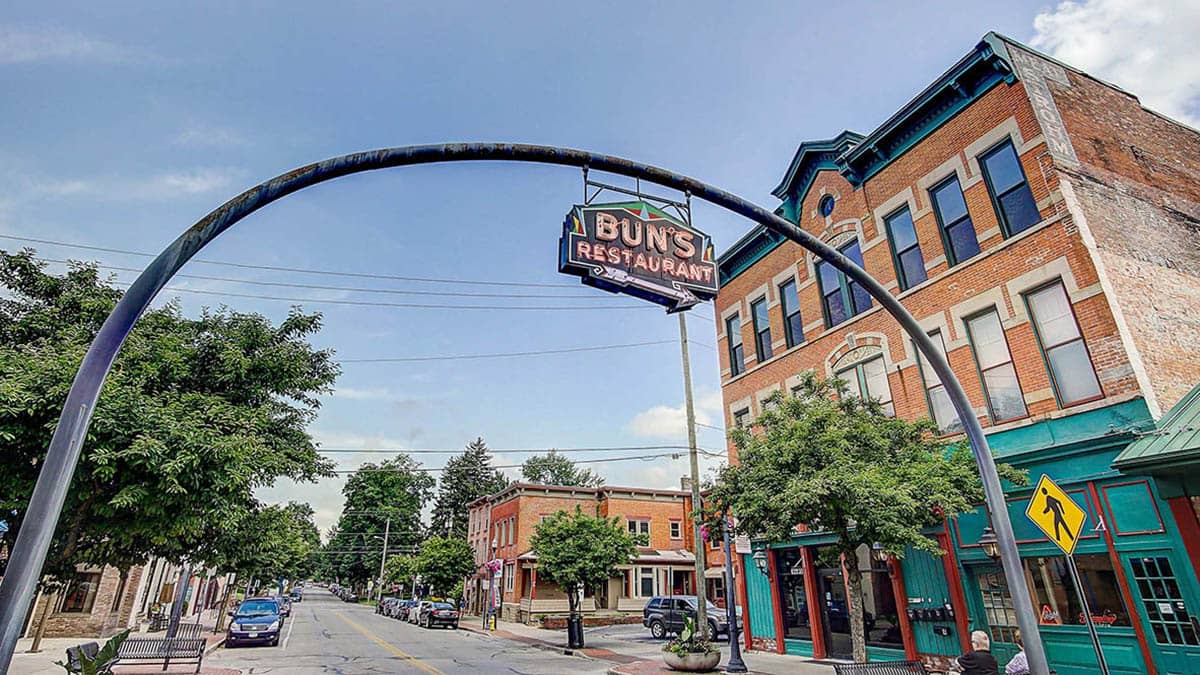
column 789, row 302
column 646, row 582
column 1062, row 345
column 510, row 574
column 733, row 336
column 762, row 329
column 999, row 378
column 639, row 526
column 676, row 529
column 868, row 379
column 935, row 392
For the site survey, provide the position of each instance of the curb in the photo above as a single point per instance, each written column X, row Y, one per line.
column 215, row 646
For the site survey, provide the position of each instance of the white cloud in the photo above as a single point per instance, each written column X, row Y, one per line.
column 664, row 422
column 160, row 187
column 1146, row 48
column 27, row 45
column 208, row 136
column 366, row 394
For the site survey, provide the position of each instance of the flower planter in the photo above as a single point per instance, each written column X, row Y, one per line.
column 695, row 662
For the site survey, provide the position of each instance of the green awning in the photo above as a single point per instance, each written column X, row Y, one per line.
column 1172, row 447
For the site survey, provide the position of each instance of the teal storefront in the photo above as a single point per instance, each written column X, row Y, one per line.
column 1139, row 581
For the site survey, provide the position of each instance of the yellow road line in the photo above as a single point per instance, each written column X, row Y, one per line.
column 389, row 646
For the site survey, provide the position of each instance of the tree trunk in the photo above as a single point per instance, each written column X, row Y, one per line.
column 854, row 608
column 220, row 623
column 51, row 599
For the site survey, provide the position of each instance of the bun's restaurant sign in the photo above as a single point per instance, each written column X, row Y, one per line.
column 637, row 249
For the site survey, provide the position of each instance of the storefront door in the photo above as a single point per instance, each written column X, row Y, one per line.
column 997, row 611
column 834, row 616
column 1168, row 611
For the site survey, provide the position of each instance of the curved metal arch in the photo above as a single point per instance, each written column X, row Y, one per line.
column 33, row 541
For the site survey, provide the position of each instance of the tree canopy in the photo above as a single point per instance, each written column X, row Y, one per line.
column 443, row 562
column 555, row 469
column 195, row 415
column 578, row 551
column 271, row 542
column 396, row 490
column 838, row 463
column 466, row 478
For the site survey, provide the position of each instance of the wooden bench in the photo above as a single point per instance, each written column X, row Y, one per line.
column 881, row 668
column 185, row 649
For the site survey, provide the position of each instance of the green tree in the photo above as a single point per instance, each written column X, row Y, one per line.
column 396, row 490
column 832, row 460
column 580, row 552
column 195, row 415
column 466, row 478
column 554, row 469
column 271, row 542
column 400, row 569
column 443, row 562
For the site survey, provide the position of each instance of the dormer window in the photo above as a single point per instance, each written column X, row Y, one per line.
column 825, row 206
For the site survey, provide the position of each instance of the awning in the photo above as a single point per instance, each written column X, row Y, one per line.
column 1173, row 447
column 715, row 572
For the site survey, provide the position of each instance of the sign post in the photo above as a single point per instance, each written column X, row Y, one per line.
column 1056, row 514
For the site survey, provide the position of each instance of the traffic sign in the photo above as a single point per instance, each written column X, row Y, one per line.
column 1056, row 514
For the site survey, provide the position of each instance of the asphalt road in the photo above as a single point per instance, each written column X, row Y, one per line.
column 326, row 635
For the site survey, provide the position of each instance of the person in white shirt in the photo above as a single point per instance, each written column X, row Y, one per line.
column 1019, row 665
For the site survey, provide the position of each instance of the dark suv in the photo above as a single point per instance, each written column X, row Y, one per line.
column 665, row 614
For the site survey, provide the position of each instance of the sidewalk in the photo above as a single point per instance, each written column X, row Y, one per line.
column 55, row 649
column 635, row 659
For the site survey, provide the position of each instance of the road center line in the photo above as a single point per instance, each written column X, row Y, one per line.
column 389, row 646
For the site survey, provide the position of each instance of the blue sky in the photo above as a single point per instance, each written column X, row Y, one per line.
column 126, row 125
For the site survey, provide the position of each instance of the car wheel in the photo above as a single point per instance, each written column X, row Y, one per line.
column 275, row 642
column 454, row 626
column 658, row 630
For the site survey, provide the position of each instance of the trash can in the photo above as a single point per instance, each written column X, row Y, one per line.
column 575, row 632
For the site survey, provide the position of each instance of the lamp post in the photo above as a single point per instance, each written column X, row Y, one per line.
column 989, row 543
column 491, row 601
column 736, row 664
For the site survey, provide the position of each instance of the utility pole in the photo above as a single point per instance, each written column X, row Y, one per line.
column 387, row 528
column 693, row 457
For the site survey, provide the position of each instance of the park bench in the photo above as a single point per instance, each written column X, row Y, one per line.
column 90, row 650
column 181, row 649
column 881, row 668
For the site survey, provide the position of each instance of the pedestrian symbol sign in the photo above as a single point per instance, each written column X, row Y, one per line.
column 1056, row 514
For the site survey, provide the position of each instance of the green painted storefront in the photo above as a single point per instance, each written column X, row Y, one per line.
column 1138, row 577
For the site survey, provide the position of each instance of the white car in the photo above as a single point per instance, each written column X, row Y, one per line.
column 414, row 614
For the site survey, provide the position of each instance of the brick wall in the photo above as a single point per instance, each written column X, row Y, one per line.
column 996, row 277
column 101, row 621
column 1139, row 197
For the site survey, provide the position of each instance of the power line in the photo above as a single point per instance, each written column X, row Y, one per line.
column 502, row 355
column 299, row 270
column 675, row 455
column 514, row 451
column 351, row 289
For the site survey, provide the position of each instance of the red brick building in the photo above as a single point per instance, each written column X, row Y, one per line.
column 664, row 566
column 1044, row 228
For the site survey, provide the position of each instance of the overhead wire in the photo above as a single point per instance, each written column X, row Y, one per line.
column 675, row 455
column 513, row 451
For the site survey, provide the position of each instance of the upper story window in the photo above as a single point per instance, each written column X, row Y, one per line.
column 512, row 530
column 733, row 335
column 906, row 250
column 935, row 392
column 868, row 379
column 1000, row 385
column 741, row 418
column 1062, row 344
column 762, row 329
column 1009, row 190
column 676, row 529
column 789, row 301
column 842, row 297
column 958, row 232
column 825, row 206
column 639, row 526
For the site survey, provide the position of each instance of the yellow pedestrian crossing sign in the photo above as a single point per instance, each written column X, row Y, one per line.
column 1056, row 514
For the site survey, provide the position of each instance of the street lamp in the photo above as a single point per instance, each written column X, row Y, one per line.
column 491, row 601
column 989, row 543
column 736, row 664
column 760, row 561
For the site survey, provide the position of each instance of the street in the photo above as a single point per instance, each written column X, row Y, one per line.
column 326, row 635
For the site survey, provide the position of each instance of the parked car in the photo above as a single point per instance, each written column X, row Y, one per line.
column 385, row 605
column 438, row 614
column 255, row 621
column 414, row 612
column 665, row 615
column 285, row 604
column 404, row 607
column 297, row 594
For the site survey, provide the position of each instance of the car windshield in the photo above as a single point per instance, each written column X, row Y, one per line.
column 708, row 605
column 258, row 608
column 442, row 605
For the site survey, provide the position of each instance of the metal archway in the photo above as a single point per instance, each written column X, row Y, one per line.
column 33, row 541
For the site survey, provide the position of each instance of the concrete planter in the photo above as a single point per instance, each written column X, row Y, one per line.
column 698, row 662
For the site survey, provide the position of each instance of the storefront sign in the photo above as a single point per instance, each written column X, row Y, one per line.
column 741, row 544
column 637, row 249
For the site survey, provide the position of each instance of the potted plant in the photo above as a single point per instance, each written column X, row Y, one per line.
column 689, row 653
